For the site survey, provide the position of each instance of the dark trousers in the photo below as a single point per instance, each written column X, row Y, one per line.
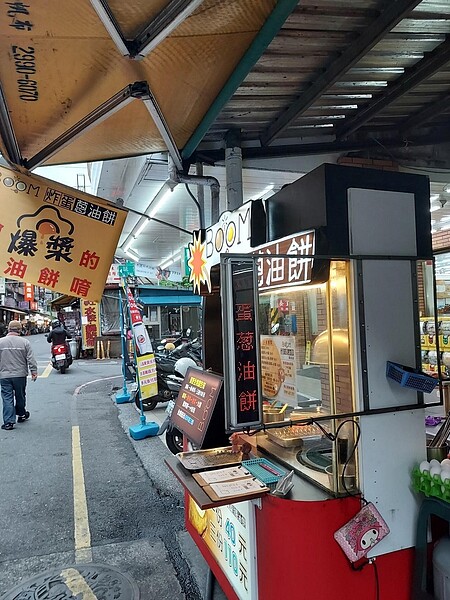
column 13, row 397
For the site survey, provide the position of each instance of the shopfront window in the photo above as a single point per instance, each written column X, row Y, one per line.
column 435, row 332
column 303, row 365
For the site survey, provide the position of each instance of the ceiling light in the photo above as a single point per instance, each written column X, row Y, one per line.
column 445, row 219
column 132, row 254
column 434, row 197
column 447, row 188
column 433, row 208
column 159, row 203
column 170, row 262
column 141, row 228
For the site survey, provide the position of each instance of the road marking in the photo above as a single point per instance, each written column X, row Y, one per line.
column 77, row 584
column 83, row 550
column 46, row 371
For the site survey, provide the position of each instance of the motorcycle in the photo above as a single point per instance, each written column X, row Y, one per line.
column 165, row 368
column 61, row 357
column 174, row 437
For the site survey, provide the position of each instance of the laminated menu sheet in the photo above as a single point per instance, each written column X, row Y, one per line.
column 219, row 475
column 230, row 482
column 249, row 487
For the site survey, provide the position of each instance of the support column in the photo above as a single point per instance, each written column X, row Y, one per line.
column 233, row 166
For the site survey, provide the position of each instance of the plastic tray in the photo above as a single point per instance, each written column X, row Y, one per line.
column 200, row 460
column 255, row 467
column 411, row 378
column 430, row 485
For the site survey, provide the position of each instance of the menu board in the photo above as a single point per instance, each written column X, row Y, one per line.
column 195, row 403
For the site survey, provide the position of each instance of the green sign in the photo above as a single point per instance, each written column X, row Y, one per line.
column 126, row 270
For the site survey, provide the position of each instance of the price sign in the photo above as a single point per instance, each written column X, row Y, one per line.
column 195, row 404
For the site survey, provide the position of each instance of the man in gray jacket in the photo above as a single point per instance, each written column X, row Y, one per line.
column 16, row 358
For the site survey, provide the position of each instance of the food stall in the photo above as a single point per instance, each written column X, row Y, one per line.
column 312, row 306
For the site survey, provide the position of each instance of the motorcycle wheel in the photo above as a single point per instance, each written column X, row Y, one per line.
column 62, row 370
column 147, row 404
column 174, row 440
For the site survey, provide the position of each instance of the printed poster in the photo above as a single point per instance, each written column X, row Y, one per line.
column 230, row 534
column 278, row 368
column 55, row 236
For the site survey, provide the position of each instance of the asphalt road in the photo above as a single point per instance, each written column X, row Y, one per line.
column 133, row 518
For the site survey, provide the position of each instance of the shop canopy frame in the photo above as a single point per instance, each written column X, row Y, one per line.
column 289, row 78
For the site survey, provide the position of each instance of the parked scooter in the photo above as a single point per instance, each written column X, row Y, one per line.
column 61, row 357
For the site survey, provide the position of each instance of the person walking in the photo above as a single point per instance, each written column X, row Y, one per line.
column 16, row 358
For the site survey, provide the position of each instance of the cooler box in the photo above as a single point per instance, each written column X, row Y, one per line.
column 441, row 569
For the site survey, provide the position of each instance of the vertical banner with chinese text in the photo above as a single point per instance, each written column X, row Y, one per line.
column 146, row 365
column 55, row 236
column 243, row 401
column 90, row 323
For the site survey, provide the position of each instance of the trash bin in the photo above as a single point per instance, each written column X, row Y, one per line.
column 441, row 569
column 73, row 348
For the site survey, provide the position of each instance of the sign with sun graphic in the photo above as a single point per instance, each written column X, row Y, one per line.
column 197, row 263
column 54, row 236
column 231, row 234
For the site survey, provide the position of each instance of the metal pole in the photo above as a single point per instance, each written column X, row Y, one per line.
column 123, row 396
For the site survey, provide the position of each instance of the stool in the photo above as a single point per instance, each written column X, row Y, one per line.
column 422, row 575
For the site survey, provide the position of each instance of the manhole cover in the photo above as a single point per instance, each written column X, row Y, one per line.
column 89, row 582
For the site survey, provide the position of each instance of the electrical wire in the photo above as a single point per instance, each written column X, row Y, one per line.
column 377, row 581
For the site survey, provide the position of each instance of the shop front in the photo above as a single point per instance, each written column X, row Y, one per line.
column 170, row 312
column 299, row 315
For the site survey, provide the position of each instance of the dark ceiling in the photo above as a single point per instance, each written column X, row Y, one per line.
column 344, row 76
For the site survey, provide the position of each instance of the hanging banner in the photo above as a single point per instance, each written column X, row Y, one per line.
column 55, row 236
column 28, row 292
column 146, row 365
column 90, row 323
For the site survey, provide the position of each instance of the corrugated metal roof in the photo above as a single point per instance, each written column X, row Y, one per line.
column 345, row 70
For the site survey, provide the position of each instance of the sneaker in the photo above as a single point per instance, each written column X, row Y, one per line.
column 8, row 426
column 24, row 417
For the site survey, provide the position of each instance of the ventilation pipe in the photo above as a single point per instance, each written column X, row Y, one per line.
column 176, row 177
column 233, row 166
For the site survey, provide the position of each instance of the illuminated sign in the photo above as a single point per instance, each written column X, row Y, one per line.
column 242, row 370
column 284, row 271
column 55, row 236
column 195, row 403
column 231, row 234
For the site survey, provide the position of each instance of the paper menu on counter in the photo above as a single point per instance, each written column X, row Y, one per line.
column 219, row 475
column 241, row 487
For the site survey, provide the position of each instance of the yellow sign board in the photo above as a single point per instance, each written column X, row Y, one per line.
column 55, row 236
column 148, row 385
